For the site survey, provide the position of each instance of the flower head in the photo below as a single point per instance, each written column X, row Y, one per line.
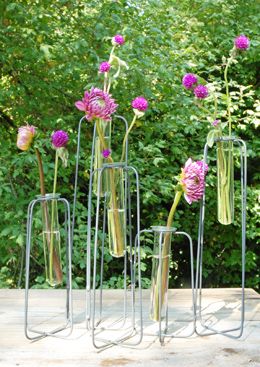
column 201, row 91
column 25, row 137
column 106, row 153
column 193, row 180
column 104, row 67
column 140, row 103
column 97, row 104
column 215, row 122
column 118, row 40
column 242, row 42
column 189, row 80
column 59, row 139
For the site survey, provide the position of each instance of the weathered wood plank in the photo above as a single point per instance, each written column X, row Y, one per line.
column 77, row 350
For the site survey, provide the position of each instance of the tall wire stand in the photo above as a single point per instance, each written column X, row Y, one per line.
column 208, row 327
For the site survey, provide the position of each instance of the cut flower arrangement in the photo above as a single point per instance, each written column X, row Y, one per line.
column 50, row 225
column 191, row 184
column 225, row 166
column 99, row 106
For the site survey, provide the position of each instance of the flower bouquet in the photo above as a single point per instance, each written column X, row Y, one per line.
column 99, row 106
column 50, row 221
column 191, row 183
column 225, row 164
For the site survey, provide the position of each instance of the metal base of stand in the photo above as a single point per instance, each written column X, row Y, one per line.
column 206, row 326
column 67, row 324
column 128, row 323
column 163, row 331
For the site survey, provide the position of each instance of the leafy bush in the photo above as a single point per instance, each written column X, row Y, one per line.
column 50, row 52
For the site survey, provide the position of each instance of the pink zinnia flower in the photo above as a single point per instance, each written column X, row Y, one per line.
column 201, row 91
column 59, row 139
column 140, row 103
column 97, row 104
column 104, row 67
column 189, row 80
column 106, row 153
column 193, row 180
column 242, row 42
column 118, row 40
column 25, row 137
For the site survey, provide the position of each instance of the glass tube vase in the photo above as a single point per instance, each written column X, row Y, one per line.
column 99, row 160
column 225, row 182
column 160, row 272
column 116, row 210
column 51, row 240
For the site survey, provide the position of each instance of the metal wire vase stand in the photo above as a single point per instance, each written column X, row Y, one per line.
column 159, row 311
column 55, row 249
column 209, row 326
column 116, row 186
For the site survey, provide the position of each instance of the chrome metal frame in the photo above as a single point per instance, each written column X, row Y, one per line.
column 210, row 330
column 133, row 257
column 162, row 333
column 69, row 317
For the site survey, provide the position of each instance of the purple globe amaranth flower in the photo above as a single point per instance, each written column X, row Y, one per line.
column 118, row 40
column 192, row 180
column 25, row 137
column 140, row 103
column 59, row 139
column 97, row 104
column 216, row 122
column 106, row 153
column 189, row 80
column 104, row 67
column 242, row 42
column 201, row 91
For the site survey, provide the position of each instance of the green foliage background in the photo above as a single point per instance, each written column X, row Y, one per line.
column 49, row 54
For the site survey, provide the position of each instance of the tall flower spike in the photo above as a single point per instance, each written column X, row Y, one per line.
column 140, row 103
column 59, row 139
column 97, row 104
column 201, row 91
column 192, row 180
column 189, row 80
column 242, row 42
column 118, row 40
column 25, row 137
column 104, row 67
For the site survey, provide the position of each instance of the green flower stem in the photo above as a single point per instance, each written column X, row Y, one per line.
column 119, row 238
column 56, row 263
column 224, row 177
column 227, row 93
column 53, row 254
column 163, row 272
column 125, row 138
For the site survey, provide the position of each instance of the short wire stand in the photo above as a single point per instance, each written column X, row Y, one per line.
column 163, row 331
column 208, row 325
column 68, row 318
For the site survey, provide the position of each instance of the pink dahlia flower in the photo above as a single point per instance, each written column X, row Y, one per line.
column 59, row 139
column 140, row 103
column 189, row 80
column 242, row 42
column 118, row 40
column 193, row 180
column 104, row 67
column 97, row 104
column 201, row 91
column 25, row 137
